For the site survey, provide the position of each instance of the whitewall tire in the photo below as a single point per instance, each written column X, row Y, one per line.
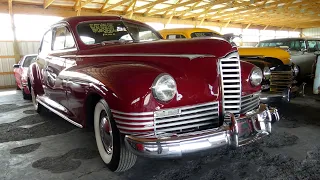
column 109, row 140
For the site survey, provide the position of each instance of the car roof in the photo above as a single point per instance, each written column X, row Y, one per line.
column 286, row 39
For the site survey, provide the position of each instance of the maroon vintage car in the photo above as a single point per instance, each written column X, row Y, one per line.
column 20, row 74
column 146, row 96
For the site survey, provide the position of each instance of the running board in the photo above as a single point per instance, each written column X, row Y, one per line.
column 59, row 114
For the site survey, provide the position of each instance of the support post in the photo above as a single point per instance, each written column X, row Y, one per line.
column 15, row 42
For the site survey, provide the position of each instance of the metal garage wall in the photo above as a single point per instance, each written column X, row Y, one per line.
column 7, row 60
column 311, row 32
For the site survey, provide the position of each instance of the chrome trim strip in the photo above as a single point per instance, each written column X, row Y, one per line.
column 164, row 120
column 135, row 128
column 150, row 123
column 132, row 114
column 159, row 131
column 189, row 56
column 133, row 118
column 185, row 122
column 60, row 114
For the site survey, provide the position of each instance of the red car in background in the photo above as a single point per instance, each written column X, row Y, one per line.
column 20, row 74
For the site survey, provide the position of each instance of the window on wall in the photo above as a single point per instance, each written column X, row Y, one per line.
column 32, row 27
column 5, row 30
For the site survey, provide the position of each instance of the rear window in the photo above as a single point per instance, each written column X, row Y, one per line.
column 29, row 60
column 204, row 34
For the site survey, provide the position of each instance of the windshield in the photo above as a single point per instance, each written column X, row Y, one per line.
column 29, row 60
column 104, row 31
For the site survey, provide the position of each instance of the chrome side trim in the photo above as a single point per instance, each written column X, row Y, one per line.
column 132, row 114
column 59, row 114
column 189, row 56
column 133, row 118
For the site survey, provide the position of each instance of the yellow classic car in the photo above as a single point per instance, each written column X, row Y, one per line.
column 279, row 72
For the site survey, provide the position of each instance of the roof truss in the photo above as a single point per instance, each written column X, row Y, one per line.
column 280, row 13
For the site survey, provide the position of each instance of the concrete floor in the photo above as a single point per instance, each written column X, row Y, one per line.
column 48, row 147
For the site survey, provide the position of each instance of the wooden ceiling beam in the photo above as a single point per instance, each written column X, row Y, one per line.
column 150, row 5
column 126, row 10
column 148, row 10
column 172, row 7
column 104, row 5
column 221, row 9
column 192, row 8
column 47, row 3
column 132, row 10
column 269, row 7
column 82, row 4
column 113, row 6
column 213, row 3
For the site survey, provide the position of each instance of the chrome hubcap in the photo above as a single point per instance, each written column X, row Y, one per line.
column 106, row 133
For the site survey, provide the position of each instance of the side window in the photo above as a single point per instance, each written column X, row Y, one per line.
column 312, row 46
column 175, row 36
column 46, row 42
column 297, row 45
column 62, row 39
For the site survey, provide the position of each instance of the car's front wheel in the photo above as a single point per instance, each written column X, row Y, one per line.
column 109, row 140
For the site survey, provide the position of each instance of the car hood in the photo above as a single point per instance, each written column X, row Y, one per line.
column 217, row 47
column 192, row 63
column 272, row 52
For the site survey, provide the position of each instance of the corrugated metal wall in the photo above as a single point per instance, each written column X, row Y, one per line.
column 7, row 60
column 311, row 32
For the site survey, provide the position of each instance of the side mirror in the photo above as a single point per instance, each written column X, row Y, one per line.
column 317, row 53
column 16, row 66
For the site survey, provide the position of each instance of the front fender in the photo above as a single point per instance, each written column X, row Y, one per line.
column 125, row 86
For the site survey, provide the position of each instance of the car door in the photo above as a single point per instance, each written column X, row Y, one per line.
column 55, row 82
column 299, row 56
column 310, row 56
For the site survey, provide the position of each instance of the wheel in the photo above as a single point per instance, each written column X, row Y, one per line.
column 17, row 87
column 25, row 96
column 38, row 107
column 109, row 140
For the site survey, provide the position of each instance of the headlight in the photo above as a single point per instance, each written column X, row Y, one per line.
column 256, row 76
column 266, row 72
column 164, row 88
column 295, row 70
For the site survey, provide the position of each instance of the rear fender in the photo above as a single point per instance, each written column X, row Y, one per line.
column 35, row 76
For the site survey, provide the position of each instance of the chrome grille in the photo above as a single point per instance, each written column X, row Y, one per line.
column 190, row 118
column 280, row 80
column 250, row 102
column 230, row 73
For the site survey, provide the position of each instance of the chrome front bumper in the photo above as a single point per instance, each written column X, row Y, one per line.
column 286, row 95
column 235, row 132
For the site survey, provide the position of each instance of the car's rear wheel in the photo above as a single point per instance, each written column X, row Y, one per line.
column 109, row 140
column 38, row 107
column 25, row 96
